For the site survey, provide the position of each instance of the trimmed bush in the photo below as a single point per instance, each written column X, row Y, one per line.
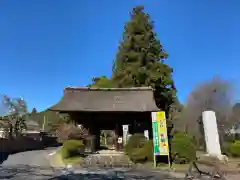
column 148, row 150
column 235, row 149
column 71, row 148
column 143, row 154
column 183, row 148
column 135, row 141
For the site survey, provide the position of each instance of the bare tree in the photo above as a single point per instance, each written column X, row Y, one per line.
column 216, row 95
column 15, row 111
column 175, row 111
column 70, row 131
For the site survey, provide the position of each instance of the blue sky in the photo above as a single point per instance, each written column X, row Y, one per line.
column 48, row 45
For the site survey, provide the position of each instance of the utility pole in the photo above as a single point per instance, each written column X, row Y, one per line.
column 43, row 125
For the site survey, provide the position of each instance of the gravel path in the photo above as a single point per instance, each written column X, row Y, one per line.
column 30, row 158
column 33, row 165
column 36, row 173
column 27, row 165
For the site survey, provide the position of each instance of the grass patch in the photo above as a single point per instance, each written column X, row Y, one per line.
column 178, row 167
column 56, row 160
column 71, row 160
column 59, row 151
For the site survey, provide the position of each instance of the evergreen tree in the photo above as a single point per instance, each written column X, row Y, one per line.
column 102, row 82
column 140, row 60
column 34, row 111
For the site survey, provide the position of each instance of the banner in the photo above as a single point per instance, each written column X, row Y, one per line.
column 160, row 139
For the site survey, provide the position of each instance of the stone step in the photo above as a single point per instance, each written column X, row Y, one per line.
column 107, row 161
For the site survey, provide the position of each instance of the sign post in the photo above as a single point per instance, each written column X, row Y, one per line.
column 160, row 139
column 125, row 133
column 146, row 134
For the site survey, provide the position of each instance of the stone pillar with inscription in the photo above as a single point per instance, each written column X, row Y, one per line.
column 125, row 134
column 211, row 135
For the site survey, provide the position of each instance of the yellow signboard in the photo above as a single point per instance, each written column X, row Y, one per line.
column 162, row 133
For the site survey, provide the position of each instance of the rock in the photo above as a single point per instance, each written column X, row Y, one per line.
column 223, row 159
column 107, row 161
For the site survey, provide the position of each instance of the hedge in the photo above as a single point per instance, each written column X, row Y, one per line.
column 235, row 149
column 141, row 150
column 143, row 154
column 19, row 144
column 71, row 148
column 135, row 141
column 183, row 148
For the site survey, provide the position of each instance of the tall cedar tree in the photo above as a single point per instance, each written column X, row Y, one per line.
column 34, row 111
column 140, row 60
column 102, row 82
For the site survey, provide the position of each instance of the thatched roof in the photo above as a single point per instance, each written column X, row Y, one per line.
column 107, row 99
column 236, row 108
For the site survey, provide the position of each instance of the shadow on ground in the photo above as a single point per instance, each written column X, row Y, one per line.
column 22, row 144
column 3, row 156
column 26, row 172
column 21, row 172
column 99, row 177
column 114, row 174
column 110, row 176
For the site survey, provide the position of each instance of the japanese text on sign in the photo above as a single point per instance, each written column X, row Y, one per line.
column 160, row 139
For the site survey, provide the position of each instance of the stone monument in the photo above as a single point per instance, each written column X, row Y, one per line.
column 211, row 135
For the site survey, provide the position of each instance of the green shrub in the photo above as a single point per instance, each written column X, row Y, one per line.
column 229, row 138
column 71, row 148
column 225, row 148
column 135, row 141
column 148, row 150
column 144, row 153
column 183, row 148
column 235, row 148
column 182, row 135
